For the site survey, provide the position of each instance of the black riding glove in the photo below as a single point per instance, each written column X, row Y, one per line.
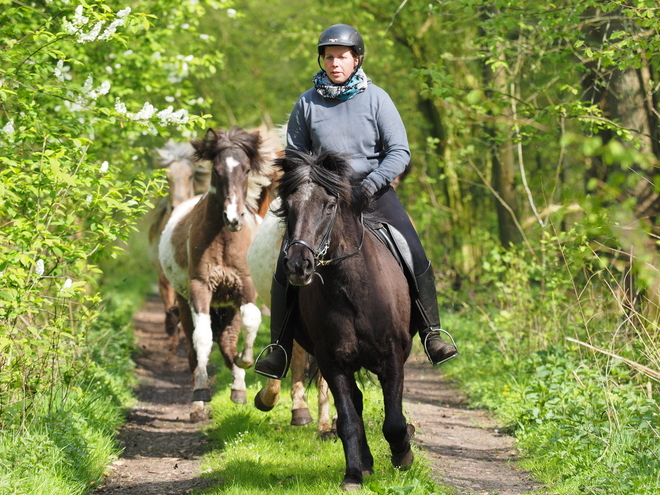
column 364, row 194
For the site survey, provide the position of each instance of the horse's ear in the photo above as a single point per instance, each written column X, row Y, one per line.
column 203, row 146
column 334, row 162
column 164, row 158
column 291, row 159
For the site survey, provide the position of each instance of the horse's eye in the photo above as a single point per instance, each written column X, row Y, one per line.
column 331, row 207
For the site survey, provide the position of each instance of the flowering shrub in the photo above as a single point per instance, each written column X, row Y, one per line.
column 86, row 91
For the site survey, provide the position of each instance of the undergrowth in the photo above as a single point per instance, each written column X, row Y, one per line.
column 63, row 443
column 585, row 421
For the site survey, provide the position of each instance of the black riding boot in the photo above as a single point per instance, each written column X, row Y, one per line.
column 276, row 363
column 437, row 350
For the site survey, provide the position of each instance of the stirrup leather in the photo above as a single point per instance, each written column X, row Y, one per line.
column 287, row 361
column 439, row 331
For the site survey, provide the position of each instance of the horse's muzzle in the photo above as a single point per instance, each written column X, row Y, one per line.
column 299, row 266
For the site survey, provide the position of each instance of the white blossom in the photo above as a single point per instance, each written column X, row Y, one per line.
column 88, row 199
column 9, row 128
column 104, row 167
column 92, row 35
column 78, row 21
column 89, row 82
column 169, row 99
column 119, row 21
column 61, row 71
column 204, row 36
column 231, row 13
column 67, row 283
column 169, row 116
column 120, row 106
column 39, row 268
column 147, row 111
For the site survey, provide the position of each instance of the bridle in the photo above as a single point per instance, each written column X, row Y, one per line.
column 325, row 244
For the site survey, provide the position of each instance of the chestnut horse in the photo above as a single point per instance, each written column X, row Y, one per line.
column 185, row 179
column 353, row 300
column 203, row 255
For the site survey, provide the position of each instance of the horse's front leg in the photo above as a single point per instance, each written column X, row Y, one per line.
column 227, row 341
column 350, row 427
column 250, row 322
column 395, row 429
column 202, row 337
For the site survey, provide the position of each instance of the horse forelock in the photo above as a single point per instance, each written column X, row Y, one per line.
column 331, row 171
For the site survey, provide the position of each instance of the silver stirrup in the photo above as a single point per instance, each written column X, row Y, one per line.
column 438, row 331
column 286, row 362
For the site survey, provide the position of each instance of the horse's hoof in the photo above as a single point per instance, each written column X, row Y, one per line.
column 351, row 486
column 403, row 461
column 198, row 413
column 260, row 404
column 243, row 363
column 201, row 394
column 238, row 396
column 300, row 417
column 327, row 435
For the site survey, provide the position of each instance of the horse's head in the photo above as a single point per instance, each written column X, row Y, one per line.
column 316, row 195
column 234, row 156
column 184, row 178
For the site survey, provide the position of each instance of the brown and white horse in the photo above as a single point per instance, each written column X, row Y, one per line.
column 203, row 255
column 185, row 179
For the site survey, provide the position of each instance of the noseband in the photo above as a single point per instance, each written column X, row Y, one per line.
column 325, row 244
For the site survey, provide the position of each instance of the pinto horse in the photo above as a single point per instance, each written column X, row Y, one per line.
column 185, row 179
column 353, row 298
column 203, row 254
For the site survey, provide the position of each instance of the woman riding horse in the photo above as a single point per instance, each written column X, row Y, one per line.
column 346, row 113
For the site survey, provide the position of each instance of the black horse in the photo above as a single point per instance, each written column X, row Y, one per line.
column 353, row 301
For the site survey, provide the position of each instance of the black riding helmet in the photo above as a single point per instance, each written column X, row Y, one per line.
column 341, row 35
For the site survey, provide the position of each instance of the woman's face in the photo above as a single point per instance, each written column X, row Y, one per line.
column 339, row 63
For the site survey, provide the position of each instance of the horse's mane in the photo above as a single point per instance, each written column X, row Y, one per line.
column 332, row 171
column 173, row 151
column 261, row 167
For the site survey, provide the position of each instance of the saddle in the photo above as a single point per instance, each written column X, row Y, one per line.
column 398, row 246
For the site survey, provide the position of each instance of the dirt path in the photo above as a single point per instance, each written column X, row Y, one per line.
column 162, row 450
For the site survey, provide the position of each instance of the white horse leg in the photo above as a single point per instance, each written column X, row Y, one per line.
column 238, row 387
column 251, row 316
column 299, row 410
column 203, row 344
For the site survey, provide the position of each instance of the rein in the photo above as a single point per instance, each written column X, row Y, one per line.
column 325, row 244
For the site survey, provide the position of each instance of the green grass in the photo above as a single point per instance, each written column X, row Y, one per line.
column 252, row 452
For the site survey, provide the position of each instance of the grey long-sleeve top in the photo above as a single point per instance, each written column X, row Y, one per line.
column 368, row 127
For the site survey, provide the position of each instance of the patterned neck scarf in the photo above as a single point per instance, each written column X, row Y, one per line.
column 326, row 88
